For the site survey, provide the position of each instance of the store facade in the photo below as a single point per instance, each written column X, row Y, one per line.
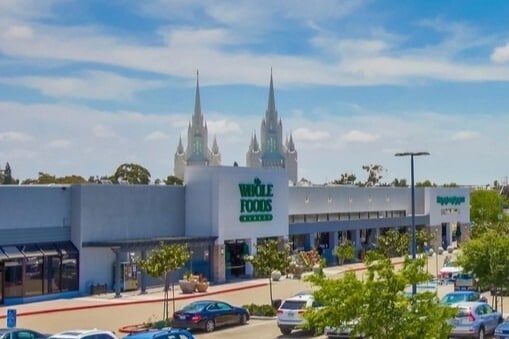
column 64, row 240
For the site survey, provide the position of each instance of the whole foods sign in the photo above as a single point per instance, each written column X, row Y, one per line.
column 256, row 201
column 453, row 200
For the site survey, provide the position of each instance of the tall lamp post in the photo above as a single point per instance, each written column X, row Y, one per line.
column 414, row 245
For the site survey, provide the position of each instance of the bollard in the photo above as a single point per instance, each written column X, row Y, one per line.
column 11, row 318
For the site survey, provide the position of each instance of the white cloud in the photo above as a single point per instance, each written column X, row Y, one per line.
column 59, row 144
column 88, row 85
column 18, row 32
column 464, row 135
column 157, row 135
column 305, row 134
column 223, row 127
column 102, row 131
column 15, row 136
column 501, row 54
column 358, row 136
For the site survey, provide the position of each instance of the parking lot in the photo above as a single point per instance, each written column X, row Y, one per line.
column 107, row 312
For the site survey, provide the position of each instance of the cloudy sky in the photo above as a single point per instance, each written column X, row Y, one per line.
column 88, row 85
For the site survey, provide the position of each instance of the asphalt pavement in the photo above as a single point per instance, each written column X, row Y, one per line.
column 105, row 311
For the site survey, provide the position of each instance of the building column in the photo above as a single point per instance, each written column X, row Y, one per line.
column 117, row 272
column 143, row 276
column 218, row 264
column 357, row 241
column 333, row 240
column 252, row 252
column 374, row 235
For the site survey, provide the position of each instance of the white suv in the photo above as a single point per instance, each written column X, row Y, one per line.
column 289, row 314
column 84, row 334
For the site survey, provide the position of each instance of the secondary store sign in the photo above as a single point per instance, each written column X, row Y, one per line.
column 256, row 201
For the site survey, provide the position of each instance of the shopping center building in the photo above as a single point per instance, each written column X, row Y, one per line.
column 65, row 240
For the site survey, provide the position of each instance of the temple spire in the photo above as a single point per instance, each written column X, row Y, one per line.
column 271, row 108
column 197, row 117
column 180, row 147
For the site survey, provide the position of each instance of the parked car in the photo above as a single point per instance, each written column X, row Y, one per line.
column 169, row 333
column 341, row 333
column 502, row 330
column 450, row 271
column 84, row 334
column 475, row 319
column 465, row 282
column 290, row 312
column 208, row 314
column 20, row 333
column 455, row 297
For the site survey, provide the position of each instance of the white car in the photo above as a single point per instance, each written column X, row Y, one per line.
column 290, row 313
column 450, row 271
column 84, row 334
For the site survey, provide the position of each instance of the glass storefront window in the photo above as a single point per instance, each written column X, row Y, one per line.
column 13, row 278
column 33, row 276
column 69, row 268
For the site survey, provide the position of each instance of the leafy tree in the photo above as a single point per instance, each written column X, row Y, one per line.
column 399, row 183
column 345, row 251
column 270, row 255
column 46, row 179
column 132, row 173
column 425, row 183
column 173, row 180
column 374, row 175
column 487, row 207
column 487, row 257
column 421, row 237
column 377, row 306
column 451, row 184
column 6, row 178
column 162, row 261
column 346, row 179
column 393, row 243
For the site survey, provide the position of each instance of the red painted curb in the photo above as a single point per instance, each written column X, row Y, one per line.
column 184, row 297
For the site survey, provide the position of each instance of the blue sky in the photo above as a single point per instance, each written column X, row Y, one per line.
column 88, row 85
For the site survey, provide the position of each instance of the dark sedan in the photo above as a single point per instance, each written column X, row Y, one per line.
column 209, row 314
column 20, row 333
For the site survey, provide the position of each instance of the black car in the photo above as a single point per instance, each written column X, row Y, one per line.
column 20, row 333
column 209, row 314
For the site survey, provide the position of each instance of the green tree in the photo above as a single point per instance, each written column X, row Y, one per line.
column 377, row 306
column 7, row 175
column 345, row 251
column 132, row 173
column 421, row 237
column 162, row 261
column 270, row 255
column 399, row 183
column 425, row 183
column 173, row 180
column 487, row 207
column 374, row 174
column 393, row 243
column 345, row 179
column 487, row 257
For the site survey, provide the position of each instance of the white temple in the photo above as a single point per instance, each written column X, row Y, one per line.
column 197, row 152
column 272, row 152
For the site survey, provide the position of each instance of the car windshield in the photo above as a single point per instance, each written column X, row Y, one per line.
column 455, row 298
column 195, row 307
column 293, row 304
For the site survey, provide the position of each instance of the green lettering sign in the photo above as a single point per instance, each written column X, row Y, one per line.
column 255, row 201
column 453, row 200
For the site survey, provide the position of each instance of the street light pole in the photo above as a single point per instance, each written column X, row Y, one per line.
column 414, row 245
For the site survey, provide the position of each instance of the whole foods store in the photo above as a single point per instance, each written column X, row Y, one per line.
column 58, row 241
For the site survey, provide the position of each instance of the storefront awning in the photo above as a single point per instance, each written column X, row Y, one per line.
column 146, row 244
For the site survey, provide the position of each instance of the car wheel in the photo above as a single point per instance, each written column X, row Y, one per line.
column 243, row 319
column 210, row 325
column 285, row 330
column 480, row 334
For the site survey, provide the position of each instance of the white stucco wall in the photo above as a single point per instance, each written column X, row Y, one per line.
column 213, row 202
column 434, row 208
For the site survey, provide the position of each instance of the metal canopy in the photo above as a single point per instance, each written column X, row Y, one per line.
column 146, row 244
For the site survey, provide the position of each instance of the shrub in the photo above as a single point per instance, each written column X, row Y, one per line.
column 261, row 310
